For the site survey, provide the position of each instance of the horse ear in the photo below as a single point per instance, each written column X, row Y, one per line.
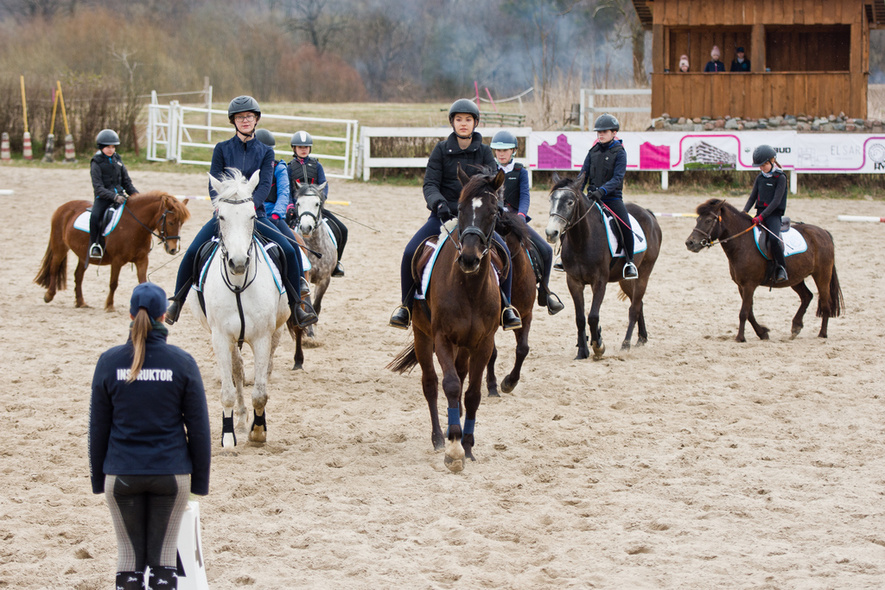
column 499, row 179
column 462, row 176
column 253, row 182
column 579, row 181
column 215, row 183
column 556, row 177
column 322, row 189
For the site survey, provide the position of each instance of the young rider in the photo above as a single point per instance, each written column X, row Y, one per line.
column 111, row 184
column 442, row 188
column 304, row 168
column 246, row 155
column 769, row 195
column 517, row 198
column 603, row 173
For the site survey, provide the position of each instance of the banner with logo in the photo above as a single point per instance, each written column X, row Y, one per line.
column 716, row 150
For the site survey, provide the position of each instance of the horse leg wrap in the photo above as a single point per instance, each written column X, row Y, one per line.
column 454, row 418
column 227, row 426
column 259, row 420
column 469, row 426
column 130, row 580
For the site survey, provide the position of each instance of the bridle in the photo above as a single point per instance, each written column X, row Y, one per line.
column 708, row 241
column 317, row 219
column 485, row 239
column 569, row 222
column 162, row 227
column 224, row 258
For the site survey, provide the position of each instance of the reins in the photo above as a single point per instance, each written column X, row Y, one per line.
column 162, row 222
column 237, row 290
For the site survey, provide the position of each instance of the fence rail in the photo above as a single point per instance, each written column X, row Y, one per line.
column 172, row 130
column 589, row 108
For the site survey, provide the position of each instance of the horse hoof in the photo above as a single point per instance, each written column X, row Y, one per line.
column 297, row 366
column 795, row 332
column 598, row 350
column 228, row 440
column 47, row 298
column 508, row 385
column 625, row 345
column 454, row 458
column 494, row 393
column 258, row 435
column 454, row 465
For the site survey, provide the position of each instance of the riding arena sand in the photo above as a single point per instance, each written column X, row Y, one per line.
column 692, row 462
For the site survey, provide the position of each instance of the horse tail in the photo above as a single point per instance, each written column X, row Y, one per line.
column 404, row 361
column 837, row 303
column 44, row 276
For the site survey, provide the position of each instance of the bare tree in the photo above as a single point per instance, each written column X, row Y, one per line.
column 309, row 17
column 30, row 9
column 625, row 26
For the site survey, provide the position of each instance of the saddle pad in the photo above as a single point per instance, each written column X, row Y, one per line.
column 82, row 221
column 640, row 244
column 428, row 268
column 331, row 233
column 201, row 279
column 794, row 242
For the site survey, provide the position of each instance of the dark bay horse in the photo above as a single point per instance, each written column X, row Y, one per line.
column 522, row 297
column 461, row 316
column 719, row 222
column 151, row 214
column 587, row 260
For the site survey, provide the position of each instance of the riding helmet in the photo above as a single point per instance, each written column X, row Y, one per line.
column 762, row 154
column 464, row 105
column 504, row 140
column 301, row 138
column 606, row 122
column 265, row 137
column 107, row 137
column 243, row 104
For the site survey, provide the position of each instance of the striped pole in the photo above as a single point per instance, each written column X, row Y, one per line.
column 5, row 154
column 861, row 218
column 28, row 153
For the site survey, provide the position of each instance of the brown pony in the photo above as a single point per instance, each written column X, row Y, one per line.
column 522, row 297
column 460, row 318
column 154, row 213
column 719, row 222
column 587, row 260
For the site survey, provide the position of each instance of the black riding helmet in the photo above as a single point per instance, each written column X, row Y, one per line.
column 762, row 154
column 265, row 137
column 606, row 122
column 302, row 139
column 107, row 137
column 503, row 140
column 463, row 105
column 243, row 104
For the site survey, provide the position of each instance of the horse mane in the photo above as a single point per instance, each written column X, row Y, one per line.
column 486, row 176
column 509, row 223
column 712, row 207
column 230, row 182
column 168, row 201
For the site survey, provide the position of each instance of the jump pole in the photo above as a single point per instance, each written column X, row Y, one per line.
column 50, row 139
column 26, row 140
column 5, row 154
column 861, row 218
column 69, row 139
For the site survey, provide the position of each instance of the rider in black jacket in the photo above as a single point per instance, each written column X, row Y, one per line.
column 769, row 195
column 442, row 188
column 111, row 184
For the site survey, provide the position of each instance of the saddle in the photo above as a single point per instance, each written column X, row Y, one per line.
column 765, row 237
column 427, row 248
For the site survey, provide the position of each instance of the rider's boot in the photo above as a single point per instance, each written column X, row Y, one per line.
column 549, row 299
column 630, row 271
column 557, row 265
column 780, row 275
column 96, row 251
column 510, row 319
column 175, row 303
column 402, row 315
column 339, row 270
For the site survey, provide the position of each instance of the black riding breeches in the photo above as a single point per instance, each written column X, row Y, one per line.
column 620, row 209
column 546, row 252
column 147, row 512
column 99, row 208
column 775, row 246
column 342, row 231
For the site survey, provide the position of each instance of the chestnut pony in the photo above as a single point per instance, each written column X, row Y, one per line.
column 151, row 214
column 719, row 222
column 460, row 318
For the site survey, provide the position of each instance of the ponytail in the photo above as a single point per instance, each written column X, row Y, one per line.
column 141, row 326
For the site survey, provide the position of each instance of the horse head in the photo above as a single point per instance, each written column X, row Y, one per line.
column 168, row 226
column 566, row 201
column 309, row 202
column 235, row 212
column 477, row 215
column 708, row 227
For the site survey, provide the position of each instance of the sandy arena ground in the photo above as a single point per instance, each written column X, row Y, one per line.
column 692, row 463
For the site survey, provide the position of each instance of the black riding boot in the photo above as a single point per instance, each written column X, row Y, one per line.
column 549, row 299
column 510, row 319
column 175, row 303
column 402, row 315
column 630, row 271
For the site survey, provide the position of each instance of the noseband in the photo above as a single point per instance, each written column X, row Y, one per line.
column 224, row 256
column 162, row 223
column 316, row 218
column 485, row 239
column 569, row 223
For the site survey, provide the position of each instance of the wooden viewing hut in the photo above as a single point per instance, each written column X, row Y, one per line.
column 808, row 57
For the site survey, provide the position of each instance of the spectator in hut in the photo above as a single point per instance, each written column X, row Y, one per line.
column 740, row 62
column 110, row 183
column 683, row 64
column 715, row 64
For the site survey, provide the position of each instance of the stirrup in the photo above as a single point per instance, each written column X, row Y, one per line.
column 558, row 265
column 554, row 303
column 339, row 270
column 96, row 251
column 304, row 286
column 780, row 275
column 630, row 271
column 303, row 317
column 173, row 311
column 512, row 323
column 400, row 318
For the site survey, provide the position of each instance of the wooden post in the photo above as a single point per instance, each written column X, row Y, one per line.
column 757, row 42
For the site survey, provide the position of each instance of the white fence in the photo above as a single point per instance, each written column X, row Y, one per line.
column 589, row 108
column 174, row 128
column 367, row 161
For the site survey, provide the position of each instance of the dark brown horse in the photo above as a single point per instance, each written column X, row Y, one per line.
column 152, row 214
column 462, row 314
column 719, row 222
column 587, row 260
column 522, row 297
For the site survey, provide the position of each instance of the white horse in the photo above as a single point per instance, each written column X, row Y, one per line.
column 310, row 223
column 244, row 303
